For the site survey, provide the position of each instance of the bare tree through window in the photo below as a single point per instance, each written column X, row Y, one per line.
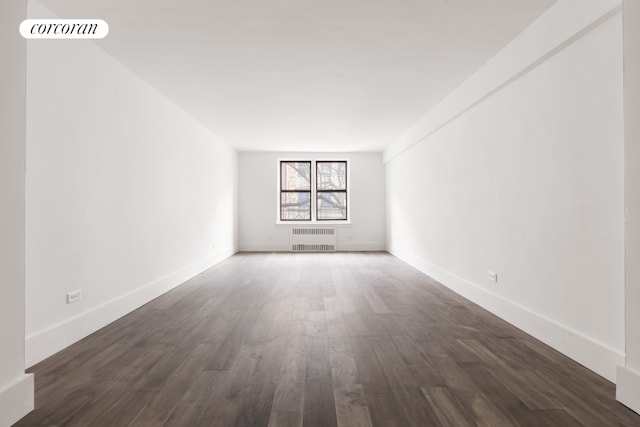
column 328, row 191
column 295, row 191
column 331, row 190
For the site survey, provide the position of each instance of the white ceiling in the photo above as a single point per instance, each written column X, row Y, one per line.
column 306, row 75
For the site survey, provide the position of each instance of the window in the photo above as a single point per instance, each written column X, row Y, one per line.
column 295, row 191
column 313, row 190
column 331, row 191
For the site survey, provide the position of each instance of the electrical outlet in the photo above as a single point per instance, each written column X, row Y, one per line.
column 492, row 275
column 74, row 296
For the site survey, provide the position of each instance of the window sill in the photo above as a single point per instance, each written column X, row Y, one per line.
column 313, row 223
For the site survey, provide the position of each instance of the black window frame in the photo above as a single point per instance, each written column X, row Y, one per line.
column 313, row 192
column 346, row 187
column 282, row 190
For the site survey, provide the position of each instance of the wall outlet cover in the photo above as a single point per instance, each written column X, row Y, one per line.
column 74, row 296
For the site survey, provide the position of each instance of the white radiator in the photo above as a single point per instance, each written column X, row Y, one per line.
column 313, row 239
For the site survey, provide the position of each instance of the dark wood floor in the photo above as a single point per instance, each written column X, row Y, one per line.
column 316, row 340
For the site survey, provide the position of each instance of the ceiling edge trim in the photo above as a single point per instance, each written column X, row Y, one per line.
column 561, row 25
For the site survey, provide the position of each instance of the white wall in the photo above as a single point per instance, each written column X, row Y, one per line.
column 258, row 196
column 127, row 195
column 16, row 388
column 520, row 171
column 628, row 382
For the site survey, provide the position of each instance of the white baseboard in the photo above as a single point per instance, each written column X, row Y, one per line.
column 286, row 247
column 47, row 342
column 592, row 354
column 361, row 246
column 16, row 400
column 628, row 388
column 264, row 247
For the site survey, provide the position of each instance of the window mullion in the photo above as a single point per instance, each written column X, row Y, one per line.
column 313, row 190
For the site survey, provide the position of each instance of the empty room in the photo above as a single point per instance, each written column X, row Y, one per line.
column 320, row 213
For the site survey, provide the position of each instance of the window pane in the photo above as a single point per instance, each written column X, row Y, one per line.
column 332, row 175
column 332, row 205
column 295, row 176
column 295, row 206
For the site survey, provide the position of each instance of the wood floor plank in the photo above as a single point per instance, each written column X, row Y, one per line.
column 290, row 390
column 508, row 403
column 343, row 339
column 193, row 403
column 285, row 419
column 256, row 405
column 319, row 403
column 317, row 351
column 183, row 414
column 394, row 367
column 351, row 403
column 267, row 370
column 226, row 400
column 521, row 387
column 124, row 411
column 464, row 387
column 372, row 375
column 385, row 411
column 415, row 406
column 447, row 407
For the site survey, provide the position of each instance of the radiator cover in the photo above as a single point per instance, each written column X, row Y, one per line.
column 313, row 239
